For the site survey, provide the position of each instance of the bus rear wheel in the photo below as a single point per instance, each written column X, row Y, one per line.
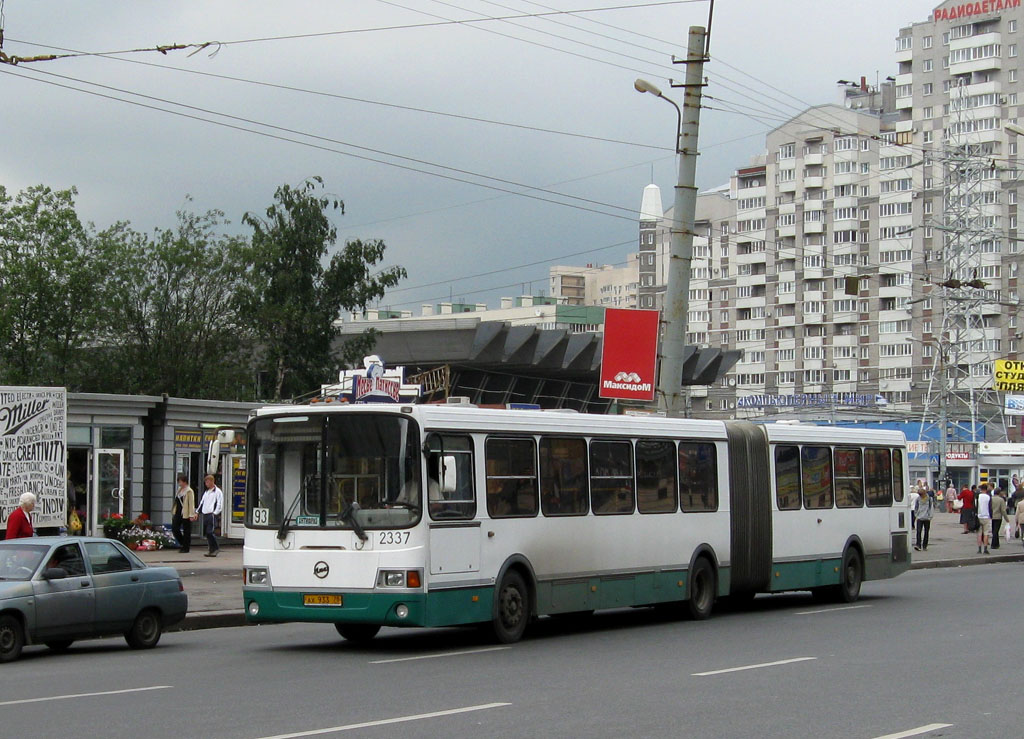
column 851, row 577
column 357, row 632
column 511, row 609
column 701, row 592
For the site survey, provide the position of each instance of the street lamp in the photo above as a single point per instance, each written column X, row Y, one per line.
column 645, row 86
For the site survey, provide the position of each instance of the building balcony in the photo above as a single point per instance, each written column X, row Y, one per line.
column 976, row 65
column 814, row 227
column 904, row 55
column 907, row 125
column 785, row 208
column 974, row 42
column 789, row 186
column 814, row 182
column 814, row 159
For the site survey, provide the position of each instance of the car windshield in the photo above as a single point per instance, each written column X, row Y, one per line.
column 310, row 470
column 18, row 561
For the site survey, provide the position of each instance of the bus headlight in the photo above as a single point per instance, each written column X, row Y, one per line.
column 399, row 579
column 254, row 608
column 257, row 575
column 402, row 610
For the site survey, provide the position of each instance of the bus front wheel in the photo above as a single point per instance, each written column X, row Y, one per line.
column 357, row 632
column 511, row 609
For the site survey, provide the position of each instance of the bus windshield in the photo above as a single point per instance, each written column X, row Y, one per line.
column 309, row 470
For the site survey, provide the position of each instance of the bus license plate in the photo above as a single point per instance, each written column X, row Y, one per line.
column 321, row 600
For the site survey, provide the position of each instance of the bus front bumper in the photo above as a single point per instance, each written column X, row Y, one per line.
column 271, row 606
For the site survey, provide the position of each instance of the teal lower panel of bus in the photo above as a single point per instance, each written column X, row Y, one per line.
column 803, row 575
column 617, row 591
column 438, row 608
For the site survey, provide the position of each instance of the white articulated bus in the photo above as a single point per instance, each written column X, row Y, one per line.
column 433, row 515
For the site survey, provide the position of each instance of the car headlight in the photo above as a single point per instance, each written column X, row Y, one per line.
column 257, row 575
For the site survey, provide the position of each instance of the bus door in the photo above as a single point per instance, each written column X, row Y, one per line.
column 107, row 487
column 233, row 485
column 450, row 494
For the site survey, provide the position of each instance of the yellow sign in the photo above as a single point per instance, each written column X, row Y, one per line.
column 1008, row 375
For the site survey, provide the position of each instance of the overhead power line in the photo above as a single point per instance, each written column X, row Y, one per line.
column 381, row 152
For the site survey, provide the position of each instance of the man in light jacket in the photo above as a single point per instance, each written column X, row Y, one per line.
column 210, row 506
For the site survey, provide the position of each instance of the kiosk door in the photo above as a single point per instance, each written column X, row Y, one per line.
column 107, row 486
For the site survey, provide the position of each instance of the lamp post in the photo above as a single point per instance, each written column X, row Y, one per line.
column 684, row 209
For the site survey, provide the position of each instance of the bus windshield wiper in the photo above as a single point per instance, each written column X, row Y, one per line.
column 282, row 530
column 349, row 514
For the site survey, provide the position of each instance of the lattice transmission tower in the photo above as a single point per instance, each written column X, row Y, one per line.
column 965, row 297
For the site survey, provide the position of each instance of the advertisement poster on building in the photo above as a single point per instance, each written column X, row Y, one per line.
column 629, row 355
column 33, row 459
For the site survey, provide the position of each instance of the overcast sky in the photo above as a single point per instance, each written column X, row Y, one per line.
column 564, row 73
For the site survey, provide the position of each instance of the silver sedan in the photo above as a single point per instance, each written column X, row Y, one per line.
column 56, row 590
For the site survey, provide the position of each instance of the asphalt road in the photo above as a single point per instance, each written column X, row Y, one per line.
column 933, row 647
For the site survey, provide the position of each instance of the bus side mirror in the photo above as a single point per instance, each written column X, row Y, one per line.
column 449, row 475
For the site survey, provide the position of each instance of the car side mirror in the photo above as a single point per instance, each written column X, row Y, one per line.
column 54, row 573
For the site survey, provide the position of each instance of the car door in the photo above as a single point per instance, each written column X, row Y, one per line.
column 119, row 589
column 65, row 607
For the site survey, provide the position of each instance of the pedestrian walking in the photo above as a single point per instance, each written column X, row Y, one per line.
column 925, row 512
column 967, row 509
column 950, row 497
column 210, row 507
column 19, row 522
column 998, row 506
column 984, row 511
column 915, row 495
column 1019, row 515
column 183, row 513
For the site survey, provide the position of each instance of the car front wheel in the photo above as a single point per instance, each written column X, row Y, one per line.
column 12, row 638
column 145, row 632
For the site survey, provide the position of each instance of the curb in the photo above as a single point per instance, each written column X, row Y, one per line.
column 980, row 559
column 210, row 620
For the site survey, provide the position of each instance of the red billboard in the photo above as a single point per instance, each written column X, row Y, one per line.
column 630, row 354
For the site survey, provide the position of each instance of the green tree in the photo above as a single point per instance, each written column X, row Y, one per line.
column 51, row 276
column 172, row 328
column 291, row 300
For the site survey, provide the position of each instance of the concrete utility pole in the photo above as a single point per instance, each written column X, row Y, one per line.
column 677, row 293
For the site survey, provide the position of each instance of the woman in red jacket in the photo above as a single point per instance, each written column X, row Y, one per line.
column 19, row 523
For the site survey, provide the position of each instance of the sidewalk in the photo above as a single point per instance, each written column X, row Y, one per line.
column 214, row 584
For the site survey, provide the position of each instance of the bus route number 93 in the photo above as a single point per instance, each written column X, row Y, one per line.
column 394, row 537
column 260, row 516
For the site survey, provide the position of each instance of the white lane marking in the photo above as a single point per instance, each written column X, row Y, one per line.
column 85, row 695
column 915, row 732
column 435, row 656
column 753, row 667
column 384, row 722
column 830, row 610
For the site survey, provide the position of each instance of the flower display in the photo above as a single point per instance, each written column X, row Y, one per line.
column 139, row 533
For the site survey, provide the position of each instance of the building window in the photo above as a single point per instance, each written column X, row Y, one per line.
column 927, row 65
column 1013, row 50
column 1012, row 76
column 1011, row 27
column 928, row 137
column 926, row 42
column 927, row 111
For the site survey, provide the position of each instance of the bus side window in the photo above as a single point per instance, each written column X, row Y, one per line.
column 816, row 473
column 511, row 477
column 563, row 476
column 787, row 478
column 656, row 468
column 878, row 477
column 698, row 478
column 849, row 478
column 451, row 494
column 897, row 475
column 611, row 477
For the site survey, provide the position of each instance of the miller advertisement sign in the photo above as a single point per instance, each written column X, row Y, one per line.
column 33, row 458
column 629, row 355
